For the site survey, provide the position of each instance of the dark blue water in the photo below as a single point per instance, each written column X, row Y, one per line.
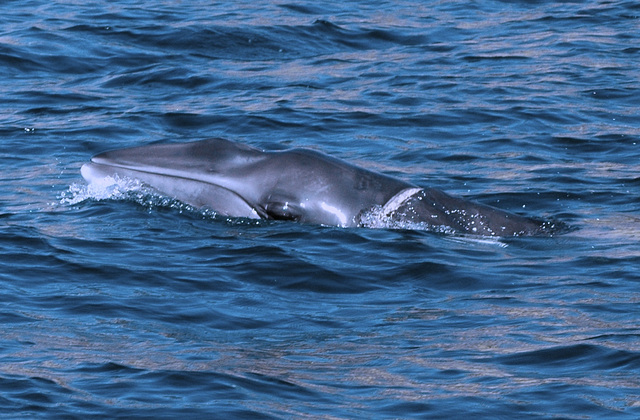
column 120, row 304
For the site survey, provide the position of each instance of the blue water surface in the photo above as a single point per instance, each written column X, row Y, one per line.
column 123, row 304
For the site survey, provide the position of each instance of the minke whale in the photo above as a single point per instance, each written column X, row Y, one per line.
column 303, row 185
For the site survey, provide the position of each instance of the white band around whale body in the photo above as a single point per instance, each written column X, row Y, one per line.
column 398, row 200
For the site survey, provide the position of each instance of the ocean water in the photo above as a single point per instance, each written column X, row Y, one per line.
column 120, row 304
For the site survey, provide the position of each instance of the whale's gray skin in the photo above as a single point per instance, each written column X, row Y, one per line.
column 298, row 184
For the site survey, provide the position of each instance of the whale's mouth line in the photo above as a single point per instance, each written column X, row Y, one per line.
column 256, row 209
column 151, row 172
column 159, row 171
column 143, row 169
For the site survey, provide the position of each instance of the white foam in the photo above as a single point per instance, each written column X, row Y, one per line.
column 107, row 188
